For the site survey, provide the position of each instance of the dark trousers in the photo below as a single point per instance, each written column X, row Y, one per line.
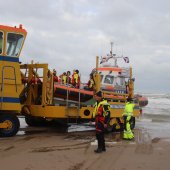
column 100, row 140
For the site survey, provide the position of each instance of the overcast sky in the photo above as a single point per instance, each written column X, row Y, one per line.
column 68, row 34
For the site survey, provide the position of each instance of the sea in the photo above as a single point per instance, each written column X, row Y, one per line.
column 154, row 120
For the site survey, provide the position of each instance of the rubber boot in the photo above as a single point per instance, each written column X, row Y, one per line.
column 99, row 149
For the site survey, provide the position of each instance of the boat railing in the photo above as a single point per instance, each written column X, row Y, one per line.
column 115, row 96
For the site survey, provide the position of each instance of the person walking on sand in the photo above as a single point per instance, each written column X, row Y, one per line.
column 101, row 114
column 127, row 115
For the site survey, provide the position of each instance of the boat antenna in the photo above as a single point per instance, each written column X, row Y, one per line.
column 111, row 51
column 114, row 56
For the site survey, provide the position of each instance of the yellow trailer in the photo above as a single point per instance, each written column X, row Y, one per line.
column 39, row 105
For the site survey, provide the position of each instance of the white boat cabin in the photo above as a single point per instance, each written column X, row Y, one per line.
column 114, row 78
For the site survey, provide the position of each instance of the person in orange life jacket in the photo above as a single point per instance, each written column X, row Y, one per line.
column 101, row 114
column 90, row 84
column 76, row 79
column 55, row 78
column 68, row 77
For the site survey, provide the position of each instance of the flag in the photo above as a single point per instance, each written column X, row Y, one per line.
column 126, row 59
column 109, row 57
column 105, row 59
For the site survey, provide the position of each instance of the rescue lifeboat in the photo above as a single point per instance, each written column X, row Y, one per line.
column 113, row 79
column 71, row 93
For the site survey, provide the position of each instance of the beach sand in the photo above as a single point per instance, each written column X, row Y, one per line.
column 49, row 149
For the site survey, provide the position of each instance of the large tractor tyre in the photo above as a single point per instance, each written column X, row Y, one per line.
column 35, row 121
column 13, row 125
column 132, row 122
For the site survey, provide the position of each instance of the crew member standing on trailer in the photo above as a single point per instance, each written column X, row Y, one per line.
column 68, row 77
column 91, row 82
column 55, row 78
column 63, row 78
column 76, row 79
column 127, row 115
column 101, row 114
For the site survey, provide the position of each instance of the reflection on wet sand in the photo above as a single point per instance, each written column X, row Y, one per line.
column 144, row 142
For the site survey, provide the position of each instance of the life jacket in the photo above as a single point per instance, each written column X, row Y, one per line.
column 100, row 113
column 76, row 80
column 72, row 80
column 97, row 110
column 64, row 79
column 129, row 107
column 90, row 84
column 55, row 78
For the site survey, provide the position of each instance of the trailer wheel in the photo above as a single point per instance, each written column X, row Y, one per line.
column 13, row 125
column 115, row 125
column 35, row 121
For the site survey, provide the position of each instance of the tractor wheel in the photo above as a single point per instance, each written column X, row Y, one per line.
column 13, row 125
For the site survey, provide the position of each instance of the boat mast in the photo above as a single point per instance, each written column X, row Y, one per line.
column 113, row 55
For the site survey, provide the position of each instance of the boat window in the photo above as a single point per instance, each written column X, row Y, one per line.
column 1, row 42
column 122, row 81
column 14, row 44
column 109, row 79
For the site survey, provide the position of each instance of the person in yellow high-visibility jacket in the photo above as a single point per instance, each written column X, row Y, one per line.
column 127, row 115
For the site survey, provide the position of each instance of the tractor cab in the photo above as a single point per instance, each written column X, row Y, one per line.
column 11, row 43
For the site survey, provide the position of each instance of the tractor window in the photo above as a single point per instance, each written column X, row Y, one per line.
column 14, row 44
column 109, row 79
column 1, row 42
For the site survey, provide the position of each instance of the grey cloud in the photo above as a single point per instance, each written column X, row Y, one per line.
column 69, row 34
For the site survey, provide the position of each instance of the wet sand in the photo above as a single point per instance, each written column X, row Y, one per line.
column 49, row 148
